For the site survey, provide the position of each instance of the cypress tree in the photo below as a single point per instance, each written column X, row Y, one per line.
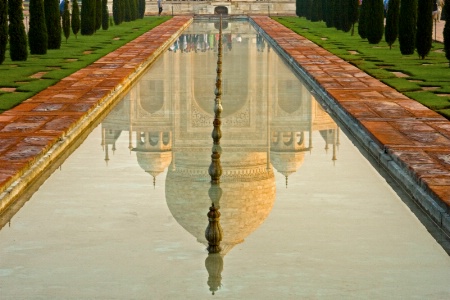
column 126, row 11
column 133, row 10
column 391, row 29
column 336, row 14
column 353, row 13
column 424, row 36
column 407, row 26
column 75, row 22
column 142, row 8
column 300, row 8
column 320, row 9
column 375, row 21
column 98, row 14
column 105, row 15
column 446, row 33
column 328, row 18
column 123, row 8
column 362, row 20
column 117, row 11
column 136, row 9
column 37, row 35
column 307, row 8
column 53, row 23
column 88, row 17
column 3, row 29
column 344, row 23
column 66, row 20
column 315, row 10
column 17, row 36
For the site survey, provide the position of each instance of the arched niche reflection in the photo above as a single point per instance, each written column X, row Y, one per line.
column 235, row 86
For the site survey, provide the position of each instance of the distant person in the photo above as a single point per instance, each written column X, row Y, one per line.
column 435, row 10
column 440, row 5
column 160, row 9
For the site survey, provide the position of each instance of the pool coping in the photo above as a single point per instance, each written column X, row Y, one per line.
column 37, row 132
column 407, row 139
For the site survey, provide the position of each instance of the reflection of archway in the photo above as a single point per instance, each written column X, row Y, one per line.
column 221, row 10
column 286, row 100
column 235, row 78
column 152, row 95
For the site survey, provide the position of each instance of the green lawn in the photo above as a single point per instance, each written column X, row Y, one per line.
column 20, row 80
column 428, row 80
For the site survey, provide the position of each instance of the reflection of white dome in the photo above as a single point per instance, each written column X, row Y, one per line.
column 287, row 162
column 154, row 163
column 247, row 198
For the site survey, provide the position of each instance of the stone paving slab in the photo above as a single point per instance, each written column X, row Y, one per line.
column 413, row 137
column 35, row 133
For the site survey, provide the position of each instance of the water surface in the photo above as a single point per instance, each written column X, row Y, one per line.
column 304, row 214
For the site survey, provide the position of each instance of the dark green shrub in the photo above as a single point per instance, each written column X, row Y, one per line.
column 66, row 20
column 328, row 16
column 407, row 26
column 308, row 9
column 316, row 11
column 374, row 21
column 105, row 15
column 98, row 14
column 141, row 9
column 123, row 8
column 362, row 21
column 127, row 11
column 17, row 36
column 424, row 35
column 338, row 9
column 3, row 29
column 53, row 23
column 117, row 12
column 446, row 33
column 88, row 17
column 391, row 29
column 353, row 13
column 133, row 10
column 75, row 22
column 37, row 35
column 345, row 23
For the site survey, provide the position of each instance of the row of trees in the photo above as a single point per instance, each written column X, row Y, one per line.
column 47, row 23
column 411, row 22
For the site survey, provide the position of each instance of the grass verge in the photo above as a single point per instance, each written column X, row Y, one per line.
column 20, row 80
column 424, row 80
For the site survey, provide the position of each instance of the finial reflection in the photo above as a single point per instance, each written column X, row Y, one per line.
column 214, row 232
column 215, row 169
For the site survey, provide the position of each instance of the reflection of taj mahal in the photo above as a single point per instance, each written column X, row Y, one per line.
column 232, row 7
column 267, row 124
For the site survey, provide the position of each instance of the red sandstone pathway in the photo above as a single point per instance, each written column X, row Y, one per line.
column 416, row 137
column 35, row 133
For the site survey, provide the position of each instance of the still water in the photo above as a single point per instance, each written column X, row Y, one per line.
column 304, row 214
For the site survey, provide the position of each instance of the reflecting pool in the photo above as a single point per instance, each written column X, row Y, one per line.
column 304, row 215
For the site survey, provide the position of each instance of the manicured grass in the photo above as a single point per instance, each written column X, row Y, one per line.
column 77, row 53
column 383, row 63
